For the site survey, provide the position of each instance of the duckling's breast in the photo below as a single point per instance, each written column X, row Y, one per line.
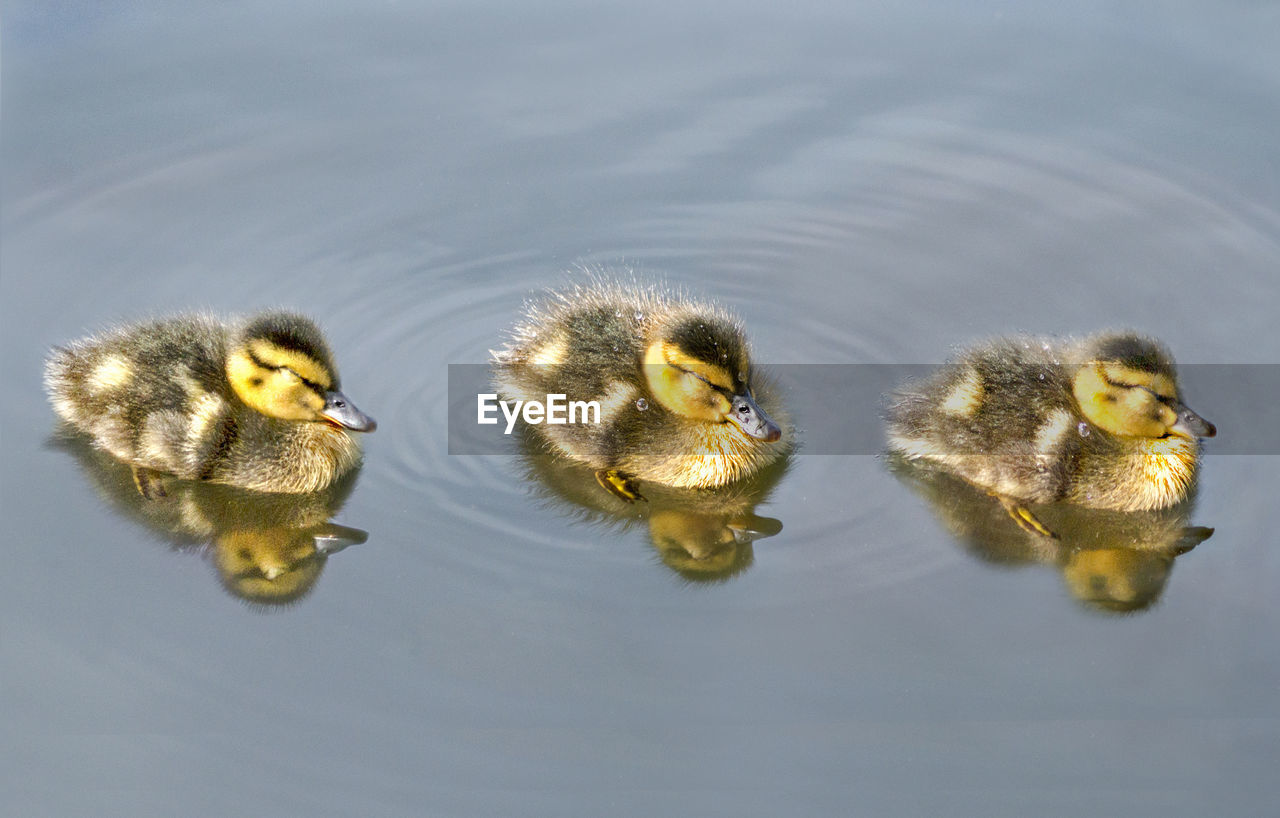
column 705, row 456
column 281, row 456
column 1137, row 474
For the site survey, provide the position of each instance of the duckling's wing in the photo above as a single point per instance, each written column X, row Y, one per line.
column 999, row 418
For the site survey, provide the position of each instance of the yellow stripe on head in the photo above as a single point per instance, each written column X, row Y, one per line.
column 290, row 340
column 1122, row 375
column 673, row 355
column 1123, row 401
column 684, row 385
column 302, row 364
column 268, row 380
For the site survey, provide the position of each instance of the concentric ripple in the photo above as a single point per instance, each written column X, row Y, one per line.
column 900, row 268
column 938, row 238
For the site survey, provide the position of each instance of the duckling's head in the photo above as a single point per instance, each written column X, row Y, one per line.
column 280, row 365
column 1128, row 386
column 698, row 368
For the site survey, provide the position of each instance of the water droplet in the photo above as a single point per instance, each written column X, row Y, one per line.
column 1040, row 376
column 642, row 404
column 617, row 314
column 615, row 347
column 639, row 316
column 1083, row 429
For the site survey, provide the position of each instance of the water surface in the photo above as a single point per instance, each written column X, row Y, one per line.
column 863, row 183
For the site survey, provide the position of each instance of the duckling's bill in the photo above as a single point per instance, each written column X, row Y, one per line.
column 752, row 420
column 1190, row 424
column 340, row 411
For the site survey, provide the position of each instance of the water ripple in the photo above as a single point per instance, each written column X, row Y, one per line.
column 898, row 266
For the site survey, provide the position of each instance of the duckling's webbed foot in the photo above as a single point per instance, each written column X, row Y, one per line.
column 1023, row 517
column 619, row 485
column 150, row 484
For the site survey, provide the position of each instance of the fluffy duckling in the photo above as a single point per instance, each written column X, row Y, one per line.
column 252, row 403
column 1095, row 422
column 672, row 379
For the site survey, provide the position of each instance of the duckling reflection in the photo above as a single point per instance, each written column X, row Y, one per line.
column 268, row 549
column 1111, row 561
column 703, row 535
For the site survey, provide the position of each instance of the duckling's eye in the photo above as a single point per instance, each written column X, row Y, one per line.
column 1150, row 391
column 1156, row 395
column 310, row 384
column 1109, row 381
column 710, row 385
column 1141, row 387
column 694, row 374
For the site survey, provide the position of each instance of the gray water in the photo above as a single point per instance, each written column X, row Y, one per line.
column 864, row 183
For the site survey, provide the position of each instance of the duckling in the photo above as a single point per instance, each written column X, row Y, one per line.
column 252, row 403
column 1094, row 422
column 670, row 379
